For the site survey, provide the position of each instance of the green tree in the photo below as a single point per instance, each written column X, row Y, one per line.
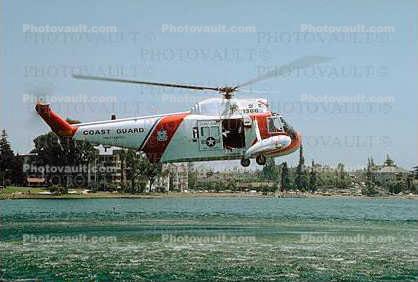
column 58, row 190
column 133, row 165
column 232, row 185
column 313, row 178
column 122, row 156
column 55, row 151
column 415, row 172
column 301, row 181
column 271, row 172
column 192, row 176
column 6, row 154
column 396, row 186
column 372, row 164
column 342, row 181
column 149, row 170
column 370, row 187
column 285, row 180
column 10, row 165
column 410, row 183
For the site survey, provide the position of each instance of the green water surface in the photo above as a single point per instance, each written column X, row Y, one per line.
column 233, row 239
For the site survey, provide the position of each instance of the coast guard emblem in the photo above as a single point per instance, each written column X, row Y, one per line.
column 162, row 135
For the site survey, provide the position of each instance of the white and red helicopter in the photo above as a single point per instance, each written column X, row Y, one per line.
column 223, row 128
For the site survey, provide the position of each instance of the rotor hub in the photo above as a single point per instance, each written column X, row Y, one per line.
column 227, row 91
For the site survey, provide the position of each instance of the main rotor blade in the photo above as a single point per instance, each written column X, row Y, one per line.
column 145, row 82
column 282, row 70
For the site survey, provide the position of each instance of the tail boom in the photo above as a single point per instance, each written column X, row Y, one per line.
column 58, row 125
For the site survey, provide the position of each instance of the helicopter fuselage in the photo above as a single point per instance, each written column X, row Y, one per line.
column 214, row 129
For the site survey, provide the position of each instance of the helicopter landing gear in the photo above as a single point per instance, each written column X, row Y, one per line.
column 245, row 162
column 261, row 160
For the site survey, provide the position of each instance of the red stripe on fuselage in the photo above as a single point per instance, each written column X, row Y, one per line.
column 162, row 135
column 262, row 124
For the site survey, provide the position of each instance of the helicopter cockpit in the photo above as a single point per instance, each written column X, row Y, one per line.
column 276, row 124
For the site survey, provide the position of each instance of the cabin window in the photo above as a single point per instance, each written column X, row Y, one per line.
column 205, row 131
column 195, row 133
column 214, row 131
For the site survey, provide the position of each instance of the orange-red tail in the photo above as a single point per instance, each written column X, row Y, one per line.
column 58, row 125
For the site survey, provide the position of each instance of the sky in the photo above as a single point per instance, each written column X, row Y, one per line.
column 362, row 103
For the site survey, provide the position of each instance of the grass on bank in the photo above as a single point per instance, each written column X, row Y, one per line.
column 16, row 192
column 27, row 190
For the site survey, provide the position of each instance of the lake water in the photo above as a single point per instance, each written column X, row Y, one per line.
column 230, row 239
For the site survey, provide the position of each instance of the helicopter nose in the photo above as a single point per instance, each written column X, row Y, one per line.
column 296, row 142
column 297, row 139
column 284, row 141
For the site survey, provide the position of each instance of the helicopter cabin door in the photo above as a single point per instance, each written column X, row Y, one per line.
column 210, row 135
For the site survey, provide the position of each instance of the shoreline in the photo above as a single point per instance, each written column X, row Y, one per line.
column 155, row 195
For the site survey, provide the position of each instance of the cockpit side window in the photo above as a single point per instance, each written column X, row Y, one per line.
column 274, row 124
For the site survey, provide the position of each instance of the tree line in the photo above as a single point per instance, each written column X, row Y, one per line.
column 53, row 151
column 138, row 174
column 305, row 179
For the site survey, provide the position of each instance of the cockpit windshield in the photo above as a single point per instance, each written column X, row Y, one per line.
column 284, row 123
column 288, row 128
column 275, row 124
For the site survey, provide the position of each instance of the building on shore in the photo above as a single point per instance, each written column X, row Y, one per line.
column 108, row 169
column 111, row 170
column 388, row 171
column 35, row 181
column 178, row 175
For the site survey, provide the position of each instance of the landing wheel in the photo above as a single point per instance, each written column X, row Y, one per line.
column 261, row 160
column 245, row 162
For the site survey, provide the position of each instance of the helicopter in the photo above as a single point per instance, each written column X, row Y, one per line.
column 221, row 128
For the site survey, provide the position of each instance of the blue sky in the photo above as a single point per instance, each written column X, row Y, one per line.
column 370, row 65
